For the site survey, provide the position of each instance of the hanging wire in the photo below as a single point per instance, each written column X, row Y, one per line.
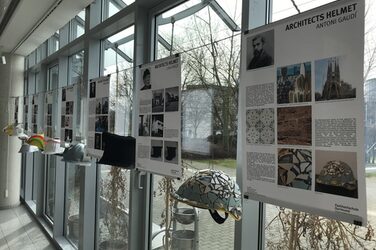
column 296, row 6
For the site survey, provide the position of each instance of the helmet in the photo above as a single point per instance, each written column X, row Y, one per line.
column 53, row 147
column 75, row 154
column 337, row 174
column 37, row 140
column 13, row 129
column 213, row 190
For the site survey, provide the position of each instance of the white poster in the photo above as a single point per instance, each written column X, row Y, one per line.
column 48, row 114
column 68, row 95
column 158, row 148
column 99, row 92
column 26, row 104
column 302, row 112
column 35, row 112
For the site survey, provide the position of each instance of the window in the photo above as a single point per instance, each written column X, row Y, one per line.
column 111, row 7
column 113, row 187
column 77, row 26
column 209, row 42
column 50, row 164
column 53, row 43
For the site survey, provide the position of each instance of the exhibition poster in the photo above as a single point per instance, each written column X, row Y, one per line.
column 35, row 106
column 301, row 100
column 26, row 112
column 16, row 110
column 48, row 114
column 99, row 92
column 158, row 148
column 68, row 95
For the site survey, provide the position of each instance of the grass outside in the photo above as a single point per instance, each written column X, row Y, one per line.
column 227, row 163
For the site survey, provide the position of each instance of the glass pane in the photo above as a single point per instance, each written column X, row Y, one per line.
column 76, row 67
column 113, row 187
column 210, row 53
column 111, row 7
column 50, row 188
column 72, row 205
column 124, row 40
column 77, row 25
column 53, row 43
column 285, row 8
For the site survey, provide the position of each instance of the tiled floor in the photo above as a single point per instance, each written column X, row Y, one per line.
column 19, row 231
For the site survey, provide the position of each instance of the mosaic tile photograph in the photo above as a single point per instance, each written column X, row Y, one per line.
column 260, row 126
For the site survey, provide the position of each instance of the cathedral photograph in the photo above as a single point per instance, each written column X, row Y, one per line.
column 329, row 84
column 294, row 83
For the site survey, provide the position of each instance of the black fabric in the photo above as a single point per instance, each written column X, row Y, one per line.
column 119, row 151
column 215, row 215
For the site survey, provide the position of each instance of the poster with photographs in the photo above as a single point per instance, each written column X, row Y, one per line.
column 36, row 104
column 26, row 106
column 67, row 110
column 99, row 93
column 48, row 114
column 16, row 110
column 301, row 100
column 158, row 148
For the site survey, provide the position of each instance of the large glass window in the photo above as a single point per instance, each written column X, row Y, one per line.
column 207, row 35
column 113, row 187
column 53, row 43
column 50, row 166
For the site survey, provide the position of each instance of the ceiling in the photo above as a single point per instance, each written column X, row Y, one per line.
column 34, row 21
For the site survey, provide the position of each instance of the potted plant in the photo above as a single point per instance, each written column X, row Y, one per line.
column 115, row 218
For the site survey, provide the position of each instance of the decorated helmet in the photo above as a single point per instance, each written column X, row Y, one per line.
column 213, row 190
column 37, row 140
column 13, row 129
column 337, row 174
column 74, row 153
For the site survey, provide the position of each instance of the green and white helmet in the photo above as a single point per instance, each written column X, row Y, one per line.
column 213, row 190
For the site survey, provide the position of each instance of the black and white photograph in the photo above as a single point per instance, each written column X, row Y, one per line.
column 171, row 152
column 68, row 121
column 98, row 141
column 35, row 129
column 49, row 132
column 157, row 103
column 35, row 109
column 98, row 106
column 172, row 99
column 105, row 105
column 49, row 108
column 146, row 77
column 68, row 135
column 92, row 90
column 144, row 125
column 156, row 150
column 64, row 95
column 157, row 125
column 69, row 108
column 49, row 120
column 101, row 123
column 330, row 83
column 63, row 120
column 260, row 50
column 33, row 119
column 294, row 83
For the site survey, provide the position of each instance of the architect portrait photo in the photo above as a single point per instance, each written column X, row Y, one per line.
column 146, row 84
column 260, row 50
column 330, row 83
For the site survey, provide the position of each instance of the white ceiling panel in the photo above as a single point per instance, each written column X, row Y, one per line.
column 29, row 14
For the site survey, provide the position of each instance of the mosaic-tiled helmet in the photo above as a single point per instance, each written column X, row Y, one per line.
column 213, row 190
column 338, row 174
column 37, row 140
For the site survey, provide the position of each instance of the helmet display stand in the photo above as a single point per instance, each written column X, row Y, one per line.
column 184, row 228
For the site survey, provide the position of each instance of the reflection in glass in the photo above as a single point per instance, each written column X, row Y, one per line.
column 72, row 203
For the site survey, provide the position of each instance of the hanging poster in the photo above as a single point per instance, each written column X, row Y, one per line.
column 158, row 148
column 67, row 107
column 26, row 113
column 34, row 113
column 48, row 114
column 301, row 100
column 16, row 110
column 99, row 92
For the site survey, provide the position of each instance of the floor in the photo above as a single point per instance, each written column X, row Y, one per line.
column 19, row 231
